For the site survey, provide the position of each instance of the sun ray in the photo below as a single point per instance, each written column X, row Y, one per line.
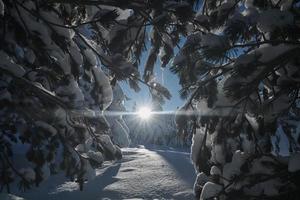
column 144, row 113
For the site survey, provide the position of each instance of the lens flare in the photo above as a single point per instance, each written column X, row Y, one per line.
column 144, row 113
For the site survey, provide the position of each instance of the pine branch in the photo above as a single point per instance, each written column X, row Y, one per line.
column 110, row 66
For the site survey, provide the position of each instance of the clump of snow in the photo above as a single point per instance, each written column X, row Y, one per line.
column 288, row 73
column 1, row 8
column 250, row 15
column 30, row 56
column 71, row 92
column 121, row 136
column 199, row 183
column 286, row 5
column 76, row 54
column 269, row 52
column 28, row 174
column 274, row 18
column 232, row 169
column 294, row 162
column 268, row 188
column 210, row 190
column 5, row 95
column 47, row 127
column 124, row 14
column 107, row 144
column 193, row 39
column 253, row 122
column 90, row 172
column 213, row 41
column 249, row 3
column 214, row 170
column 280, row 104
column 217, row 154
column 196, row 145
column 53, row 17
column 125, row 67
column 258, row 166
column 201, row 18
column 222, row 9
column 246, row 59
column 5, row 196
column 95, row 156
column 61, row 58
column 103, row 82
column 45, row 172
column 8, row 64
column 90, row 56
column 247, row 145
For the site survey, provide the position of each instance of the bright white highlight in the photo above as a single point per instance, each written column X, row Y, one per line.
column 144, row 113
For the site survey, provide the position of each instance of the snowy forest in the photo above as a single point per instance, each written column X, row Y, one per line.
column 66, row 132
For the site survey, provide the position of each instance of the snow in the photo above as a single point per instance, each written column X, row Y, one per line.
column 253, row 122
column 286, row 5
column 5, row 196
column 89, row 172
column 210, row 190
column 213, row 41
column 199, row 183
column 268, row 52
column 245, row 59
column 259, row 166
column 248, row 146
column 249, row 3
column 5, row 95
column 106, row 142
column 103, row 82
column 95, row 156
column 90, row 56
column 196, row 145
column 45, row 172
column 268, row 188
column 8, row 64
column 29, row 55
column 201, row 18
column 76, row 54
column 28, row 173
column 274, row 18
column 160, row 173
column 124, row 14
column 47, row 127
column 1, row 8
column 217, row 154
column 52, row 17
column 214, row 170
column 119, row 128
column 59, row 57
column 71, row 91
column 294, row 162
column 120, row 134
column 232, row 169
column 193, row 39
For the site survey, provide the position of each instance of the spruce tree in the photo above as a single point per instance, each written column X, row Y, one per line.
column 239, row 70
column 60, row 62
column 237, row 62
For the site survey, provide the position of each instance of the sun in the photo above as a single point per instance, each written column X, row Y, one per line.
column 144, row 113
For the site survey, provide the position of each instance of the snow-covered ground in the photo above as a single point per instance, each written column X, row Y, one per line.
column 142, row 174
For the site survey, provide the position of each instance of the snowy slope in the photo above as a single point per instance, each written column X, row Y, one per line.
column 142, row 174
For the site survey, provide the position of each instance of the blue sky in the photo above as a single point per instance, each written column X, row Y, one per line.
column 143, row 98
